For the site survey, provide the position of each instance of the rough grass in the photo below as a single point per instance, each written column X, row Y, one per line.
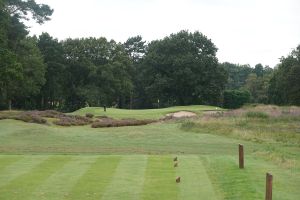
column 260, row 115
column 252, row 125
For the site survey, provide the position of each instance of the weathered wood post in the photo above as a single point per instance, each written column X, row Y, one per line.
column 269, row 180
column 241, row 156
column 176, row 164
column 175, row 159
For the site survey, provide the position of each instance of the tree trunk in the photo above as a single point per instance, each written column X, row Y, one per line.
column 131, row 99
column 9, row 104
column 42, row 103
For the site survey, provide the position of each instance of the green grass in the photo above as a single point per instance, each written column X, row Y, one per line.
column 142, row 114
column 142, row 177
column 159, row 138
column 48, row 162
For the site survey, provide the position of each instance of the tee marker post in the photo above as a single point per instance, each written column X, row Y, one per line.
column 241, row 156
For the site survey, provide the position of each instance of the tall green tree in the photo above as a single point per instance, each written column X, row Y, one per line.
column 258, row 87
column 237, row 75
column 15, row 65
column 182, row 69
column 26, row 9
column 259, row 70
column 33, row 67
column 98, row 72
column 52, row 92
column 135, row 47
column 285, row 82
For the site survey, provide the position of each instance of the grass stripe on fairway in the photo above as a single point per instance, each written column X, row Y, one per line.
column 232, row 182
column 22, row 186
column 8, row 160
column 195, row 183
column 128, row 179
column 92, row 184
column 16, row 169
column 58, row 185
column 160, row 179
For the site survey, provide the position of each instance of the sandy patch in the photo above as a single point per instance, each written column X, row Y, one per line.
column 181, row 114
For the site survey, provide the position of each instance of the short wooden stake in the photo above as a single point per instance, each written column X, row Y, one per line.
column 176, row 164
column 241, row 156
column 269, row 180
column 175, row 159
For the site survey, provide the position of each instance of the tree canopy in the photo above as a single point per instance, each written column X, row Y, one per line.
column 285, row 82
column 180, row 69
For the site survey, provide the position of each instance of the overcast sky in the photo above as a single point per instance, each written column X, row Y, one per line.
column 245, row 31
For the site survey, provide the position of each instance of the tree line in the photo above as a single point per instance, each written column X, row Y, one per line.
column 41, row 72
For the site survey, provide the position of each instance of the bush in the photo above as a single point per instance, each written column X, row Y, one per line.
column 50, row 113
column 102, row 117
column 109, row 122
column 3, row 117
column 30, row 118
column 235, row 98
column 89, row 115
column 260, row 115
column 188, row 125
column 73, row 120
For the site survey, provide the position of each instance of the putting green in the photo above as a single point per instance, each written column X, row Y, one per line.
column 143, row 113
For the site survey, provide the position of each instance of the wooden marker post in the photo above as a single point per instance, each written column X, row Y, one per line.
column 241, row 156
column 269, row 180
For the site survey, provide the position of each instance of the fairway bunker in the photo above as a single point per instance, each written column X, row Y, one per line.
column 180, row 114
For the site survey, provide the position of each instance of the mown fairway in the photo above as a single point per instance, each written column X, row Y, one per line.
column 52, row 162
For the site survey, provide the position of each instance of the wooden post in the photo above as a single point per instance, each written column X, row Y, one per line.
column 241, row 156
column 269, row 179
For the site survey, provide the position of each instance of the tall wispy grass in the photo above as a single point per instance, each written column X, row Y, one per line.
column 260, row 124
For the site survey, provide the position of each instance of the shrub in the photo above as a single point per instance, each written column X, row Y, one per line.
column 73, row 120
column 109, row 122
column 30, row 118
column 102, row 117
column 188, row 125
column 260, row 115
column 89, row 115
column 3, row 117
column 51, row 113
column 235, row 98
